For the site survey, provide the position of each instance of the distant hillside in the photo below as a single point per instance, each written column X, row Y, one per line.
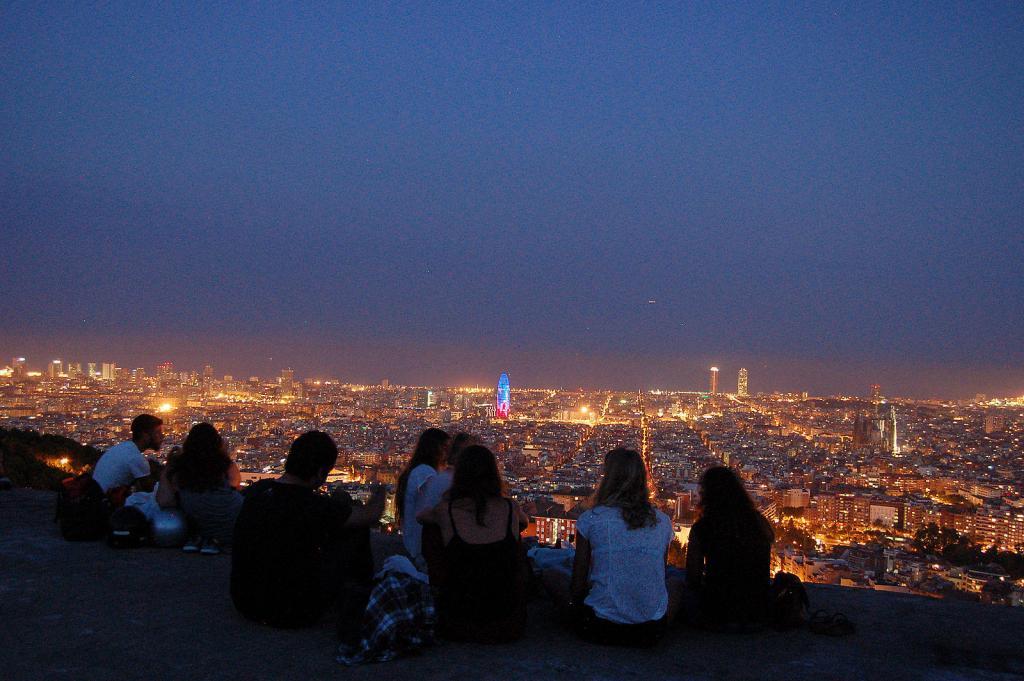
column 31, row 459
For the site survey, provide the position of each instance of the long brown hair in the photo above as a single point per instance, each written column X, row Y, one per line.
column 476, row 478
column 429, row 450
column 727, row 510
column 624, row 486
column 203, row 463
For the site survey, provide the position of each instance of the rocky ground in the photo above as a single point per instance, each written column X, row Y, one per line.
column 85, row 611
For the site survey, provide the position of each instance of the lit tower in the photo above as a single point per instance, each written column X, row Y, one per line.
column 503, row 402
column 645, row 438
column 891, row 442
column 741, row 384
column 714, row 380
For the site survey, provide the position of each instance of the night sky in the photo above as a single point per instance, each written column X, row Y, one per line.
column 829, row 196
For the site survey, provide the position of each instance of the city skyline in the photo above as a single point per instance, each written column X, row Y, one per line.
column 71, row 367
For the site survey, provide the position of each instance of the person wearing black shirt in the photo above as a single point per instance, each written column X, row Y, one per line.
column 296, row 550
column 728, row 559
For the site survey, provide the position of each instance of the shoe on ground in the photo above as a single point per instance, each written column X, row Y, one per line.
column 193, row 545
column 211, row 547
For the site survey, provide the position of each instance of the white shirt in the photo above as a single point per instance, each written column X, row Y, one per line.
column 120, row 465
column 434, row 490
column 627, row 567
column 412, row 531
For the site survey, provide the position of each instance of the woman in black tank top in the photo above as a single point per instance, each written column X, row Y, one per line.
column 481, row 595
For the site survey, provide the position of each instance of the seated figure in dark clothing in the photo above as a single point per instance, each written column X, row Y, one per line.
column 728, row 559
column 481, row 594
column 297, row 551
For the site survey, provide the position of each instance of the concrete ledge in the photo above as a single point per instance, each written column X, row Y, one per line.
column 84, row 611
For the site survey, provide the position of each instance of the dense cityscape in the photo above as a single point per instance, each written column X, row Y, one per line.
column 870, row 491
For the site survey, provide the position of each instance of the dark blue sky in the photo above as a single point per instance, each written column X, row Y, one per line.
column 831, row 196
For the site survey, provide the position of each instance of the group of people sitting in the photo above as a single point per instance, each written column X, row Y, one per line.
column 298, row 552
column 459, row 525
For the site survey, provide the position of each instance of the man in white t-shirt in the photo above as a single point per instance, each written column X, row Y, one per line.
column 124, row 464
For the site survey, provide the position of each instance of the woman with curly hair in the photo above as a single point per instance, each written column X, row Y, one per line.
column 203, row 482
column 618, row 593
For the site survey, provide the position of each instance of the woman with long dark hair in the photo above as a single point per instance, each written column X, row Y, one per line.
column 728, row 558
column 203, row 482
column 618, row 593
column 427, row 459
column 482, row 593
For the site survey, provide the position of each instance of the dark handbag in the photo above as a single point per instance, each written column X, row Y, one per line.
column 788, row 602
column 82, row 509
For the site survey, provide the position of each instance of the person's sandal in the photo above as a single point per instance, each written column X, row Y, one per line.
column 831, row 624
column 211, row 547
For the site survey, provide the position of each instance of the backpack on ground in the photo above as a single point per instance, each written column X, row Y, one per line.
column 789, row 603
column 82, row 509
column 129, row 528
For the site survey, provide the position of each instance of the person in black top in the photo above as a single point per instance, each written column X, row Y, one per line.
column 481, row 594
column 728, row 559
column 296, row 550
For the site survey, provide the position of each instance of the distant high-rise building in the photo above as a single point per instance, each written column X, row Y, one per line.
column 385, row 383
column 891, row 441
column 108, row 371
column 91, row 370
column 427, row 399
column 714, row 381
column 878, row 430
column 74, row 369
column 208, row 373
column 995, row 422
column 503, row 398
column 18, row 366
column 53, row 370
column 876, row 392
column 286, row 381
column 741, row 383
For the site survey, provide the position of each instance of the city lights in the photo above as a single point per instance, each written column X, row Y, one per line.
column 836, row 475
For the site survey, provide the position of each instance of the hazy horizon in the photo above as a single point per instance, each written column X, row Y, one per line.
column 406, row 363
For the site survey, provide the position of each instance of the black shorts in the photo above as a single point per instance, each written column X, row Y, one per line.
column 595, row 629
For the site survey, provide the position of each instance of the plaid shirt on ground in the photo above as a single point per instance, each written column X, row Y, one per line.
column 399, row 619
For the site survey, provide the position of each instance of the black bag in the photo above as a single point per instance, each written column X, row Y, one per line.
column 82, row 509
column 789, row 603
column 129, row 528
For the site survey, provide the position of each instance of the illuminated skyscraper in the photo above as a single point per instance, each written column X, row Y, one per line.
column 54, row 368
column 891, row 442
column 503, row 402
column 108, row 371
column 741, row 383
column 286, row 381
column 92, row 373
column 714, row 381
column 876, row 392
column 18, row 365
